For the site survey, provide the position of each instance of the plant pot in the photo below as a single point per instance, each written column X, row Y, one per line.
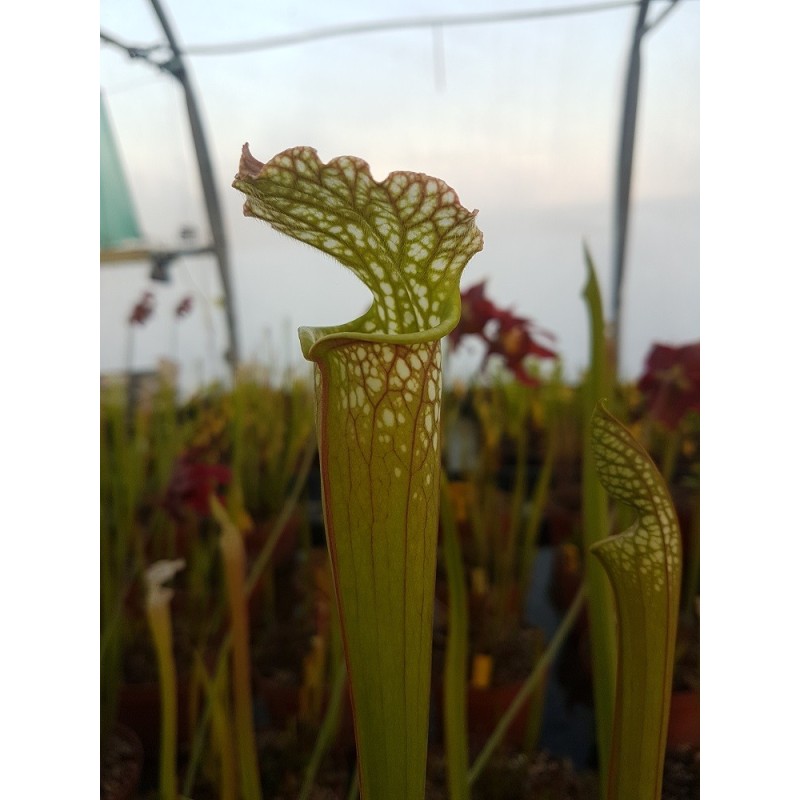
column 684, row 719
column 485, row 708
column 121, row 762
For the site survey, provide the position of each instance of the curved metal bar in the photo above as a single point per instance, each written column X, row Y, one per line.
column 176, row 67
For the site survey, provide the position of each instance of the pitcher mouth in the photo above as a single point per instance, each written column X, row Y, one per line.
column 407, row 238
column 316, row 341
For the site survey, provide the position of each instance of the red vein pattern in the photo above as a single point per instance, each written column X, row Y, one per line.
column 379, row 384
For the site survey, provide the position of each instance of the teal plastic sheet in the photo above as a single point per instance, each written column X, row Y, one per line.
column 119, row 228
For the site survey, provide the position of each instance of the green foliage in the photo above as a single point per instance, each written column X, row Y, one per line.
column 595, row 387
column 499, row 509
column 455, row 669
column 122, row 476
column 528, row 687
column 378, row 414
column 270, row 426
column 160, row 621
column 644, row 566
column 377, row 394
column 216, row 695
column 233, row 555
column 256, row 570
column 327, row 730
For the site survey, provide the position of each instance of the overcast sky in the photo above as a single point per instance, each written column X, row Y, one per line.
column 520, row 118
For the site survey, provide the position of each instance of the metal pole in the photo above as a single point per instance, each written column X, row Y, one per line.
column 624, row 175
column 176, row 67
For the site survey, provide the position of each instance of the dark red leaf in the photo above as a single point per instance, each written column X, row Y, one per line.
column 671, row 382
column 142, row 310
column 184, row 307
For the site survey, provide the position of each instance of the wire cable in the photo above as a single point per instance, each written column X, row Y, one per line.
column 335, row 31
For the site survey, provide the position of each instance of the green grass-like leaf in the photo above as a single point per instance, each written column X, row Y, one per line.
column 644, row 566
column 456, row 655
column 379, row 387
column 596, row 386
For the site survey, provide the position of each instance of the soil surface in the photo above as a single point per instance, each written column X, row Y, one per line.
column 510, row 776
column 120, row 765
column 682, row 774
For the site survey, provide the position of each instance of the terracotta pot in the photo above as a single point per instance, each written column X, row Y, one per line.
column 684, row 719
column 487, row 706
column 121, row 764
